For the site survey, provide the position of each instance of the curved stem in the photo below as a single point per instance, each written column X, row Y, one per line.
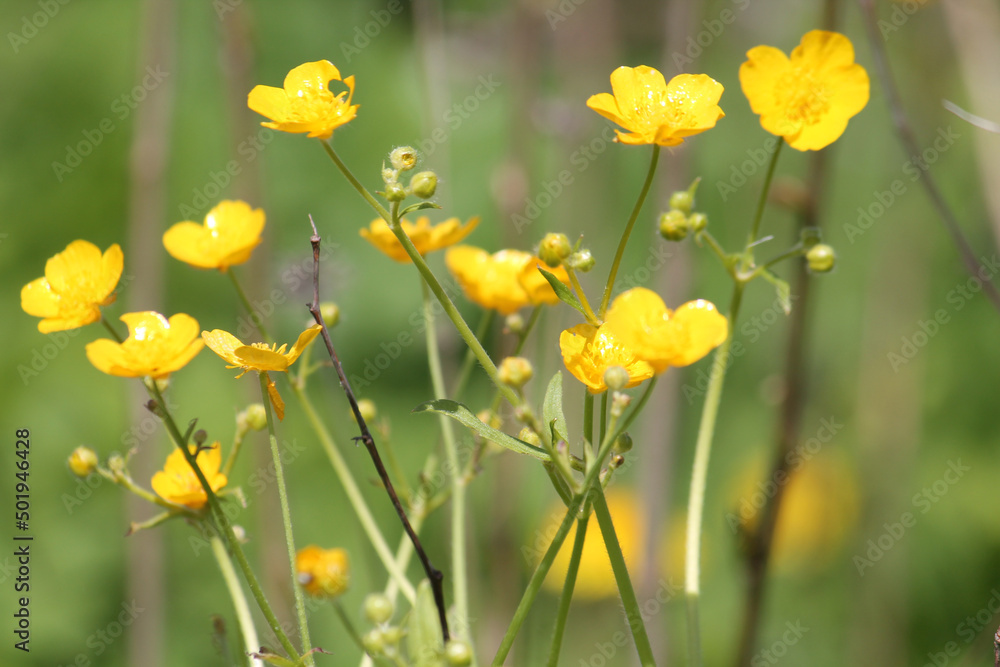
column 286, row 520
column 628, row 232
column 250, row 641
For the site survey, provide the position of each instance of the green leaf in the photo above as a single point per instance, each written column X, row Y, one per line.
column 424, row 641
column 564, row 293
column 272, row 658
column 782, row 288
column 552, row 409
column 418, row 207
column 463, row 415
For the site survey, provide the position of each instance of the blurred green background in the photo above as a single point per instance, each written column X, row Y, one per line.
column 930, row 598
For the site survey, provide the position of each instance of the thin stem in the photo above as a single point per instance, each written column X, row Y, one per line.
column 256, row 321
column 699, row 474
column 762, row 202
column 632, row 610
column 567, row 593
column 250, row 641
column 354, row 496
column 286, row 520
column 352, row 632
column 227, row 529
column 469, row 361
column 588, row 418
column 111, row 329
column 458, row 564
column 628, row 232
column 588, row 312
column 241, row 433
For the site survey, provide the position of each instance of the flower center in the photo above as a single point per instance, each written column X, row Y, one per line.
column 806, row 100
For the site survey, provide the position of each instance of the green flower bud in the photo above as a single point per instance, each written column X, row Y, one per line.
column 514, row 323
column 616, row 377
column 623, row 444
column 394, row 192
column 330, row 312
column 821, row 258
column 373, row 641
column 553, row 249
column 697, row 222
column 378, row 608
column 682, row 200
column 116, row 462
column 367, row 408
column 458, row 653
column 515, row 371
column 674, row 225
column 83, row 461
column 256, row 416
column 619, row 402
column 424, row 184
column 529, row 436
column 389, row 175
column 391, row 636
column 581, row 261
column 403, row 158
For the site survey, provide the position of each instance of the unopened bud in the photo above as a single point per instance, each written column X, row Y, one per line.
column 391, row 635
column 821, row 258
column 697, row 222
column 553, row 249
column 256, row 416
column 330, row 312
column 674, row 225
column 515, row 371
column 524, row 414
column 373, row 641
column 367, row 408
column 83, row 461
column 619, row 402
column 116, row 462
column 581, row 261
column 378, row 608
column 514, row 323
column 394, row 192
column 616, row 377
column 403, row 158
column 389, row 175
column 424, row 184
column 682, row 200
column 490, row 418
column 199, row 437
column 623, row 444
column 529, row 436
column 458, row 653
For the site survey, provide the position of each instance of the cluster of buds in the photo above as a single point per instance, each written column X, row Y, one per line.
column 555, row 250
column 423, row 184
column 676, row 223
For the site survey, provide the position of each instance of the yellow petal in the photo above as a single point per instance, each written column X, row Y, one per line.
column 261, row 359
column 38, row 299
column 310, row 77
column 696, row 328
column 223, row 344
column 302, row 343
column 269, row 101
column 275, row 397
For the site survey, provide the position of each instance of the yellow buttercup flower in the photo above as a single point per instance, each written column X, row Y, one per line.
column 640, row 319
column 77, row 282
column 323, row 572
column 595, row 580
column 306, row 103
column 177, row 482
column 425, row 237
column 505, row 281
column 589, row 351
column 655, row 112
column 155, row 346
column 259, row 357
column 809, row 97
column 230, row 233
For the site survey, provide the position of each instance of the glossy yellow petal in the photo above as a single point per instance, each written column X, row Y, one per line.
column 695, row 329
column 269, row 101
column 155, row 346
column 258, row 356
column 223, row 344
column 535, row 285
column 304, row 339
column 178, row 483
column 261, row 358
column 306, row 104
column 425, row 237
column 232, row 229
column 491, row 281
column 588, row 352
column 276, row 401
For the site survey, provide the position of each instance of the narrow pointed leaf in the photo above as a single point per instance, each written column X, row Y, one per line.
column 564, row 293
column 463, row 415
column 552, row 409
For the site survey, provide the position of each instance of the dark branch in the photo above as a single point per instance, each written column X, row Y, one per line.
column 433, row 574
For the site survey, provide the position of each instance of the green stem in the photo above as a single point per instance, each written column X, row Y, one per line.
column 759, row 213
column 449, row 307
column 111, row 329
column 699, row 474
column 227, row 529
column 588, row 418
column 352, row 632
column 588, row 312
column 286, row 520
column 468, row 362
column 567, row 592
column 354, row 495
column 458, row 564
column 250, row 641
column 246, row 304
column 628, row 232
column 632, row 610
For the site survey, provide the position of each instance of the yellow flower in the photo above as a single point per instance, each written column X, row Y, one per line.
column 642, row 322
column 177, row 482
column 808, row 98
column 230, row 233
column 83, row 461
column 155, row 346
column 259, row 357
column 595, row 579
column 77, row 282
column 425, row 237
column 589, row 352
column 323, row 572
column 306, row 103
column 504, row 281
column 655, row 112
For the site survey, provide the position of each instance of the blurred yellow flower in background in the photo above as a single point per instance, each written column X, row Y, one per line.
column 323, row 572
column 809, row 97
column 589, row 351
column 425, row 237
column 78, row 281
column 177, row 482
column 505, row 281
column 655, row 112
column 595, row 578
column 230, row 233
column 664, row 338
column 155, row 346
column 305, row 104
